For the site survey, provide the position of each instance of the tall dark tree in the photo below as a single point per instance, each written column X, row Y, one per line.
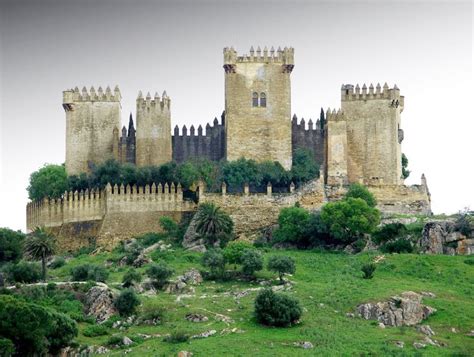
column 40, row 245
column 213, row 224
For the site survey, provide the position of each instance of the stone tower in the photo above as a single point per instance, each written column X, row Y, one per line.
column 373, row 133
column 258, row 104
column 153, row 135
column 91, row 119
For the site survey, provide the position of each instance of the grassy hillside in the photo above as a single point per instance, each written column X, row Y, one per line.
column 329, row 285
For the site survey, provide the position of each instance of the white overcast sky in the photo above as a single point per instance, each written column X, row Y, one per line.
column 51, row 45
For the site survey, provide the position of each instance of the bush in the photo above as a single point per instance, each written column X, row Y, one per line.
column 57, row 262
column 94, row 331
column 170, row 227
column 114, row 340
column 91, row 272
column 276, row 309
column 127, row 302
column 400, row 245
column 389, row 232
column 130, row 277
column 49, row 181
column 233, row 251
column 214, row 260
column 34, row 330
column 469, row 261
column 151, row 238
column 304, row 166
column 281, row 265
column 159, row 274
column 177, row 337
column 7, row 348
column 292, row 225
column 22, row 272
column 463, row 224
column 356, row 190
column 252, row 261
column 316, row 232
column 350, row 219
column 11, row 245
column 368, row 270
column 152, row 310
column 405, row 171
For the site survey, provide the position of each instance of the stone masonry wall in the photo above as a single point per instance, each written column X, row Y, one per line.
column 311, row 138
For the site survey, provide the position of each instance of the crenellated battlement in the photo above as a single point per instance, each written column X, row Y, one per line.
column 155, row 103
column 351, row 93
column 283, row 56
column 335, row 115
column 74, row 95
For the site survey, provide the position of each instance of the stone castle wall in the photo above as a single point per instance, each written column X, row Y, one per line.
column 311, row 138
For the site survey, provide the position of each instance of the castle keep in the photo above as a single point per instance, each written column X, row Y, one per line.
column 359, row 142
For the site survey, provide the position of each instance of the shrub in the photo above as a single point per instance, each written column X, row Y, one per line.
column 276, row 309
column 400, row 245
column 281, row 265
column 356, row 190
column 7, row 348
column 57, row 262
column 152, row 310
column 169, row 226
column 213, row 224
column 214, row 260
column 159, row 274
column 252, row 261
column 94, row 331
column 292, row 225
column 304, row 166
column 405, row 171
column 87, row 272
column 49, row 181
column 469, row 261
column 236, row 173
column 389, row 232
column 34, row 330
column 350, row 219
column 463, row 224
column 11, row 243
column 233, row 251
column 316, row 232
column 114, row 340
column 127, row 302
column 23, row 272
column 368, row 270
column 151, row 238
column 177, row 337
column 130, row 277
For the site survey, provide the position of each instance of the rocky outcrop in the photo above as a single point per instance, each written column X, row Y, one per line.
column 403, row 310
column 184, row 282
column 99, row 302
column 441, row 237
column 191, row 239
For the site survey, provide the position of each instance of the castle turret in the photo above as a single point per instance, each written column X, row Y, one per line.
column 153, row 134
column 374, row 135
column 91, row 120
column 258, row 105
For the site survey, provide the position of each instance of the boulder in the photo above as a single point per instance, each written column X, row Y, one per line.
column 191, row 239
column 196, row 317
column 403, row 310
column 304, row 344
column 185, row 354
column 192, row 277
column 99, row 302
column 425, row 329
column 205, row 334
column 126, row 341
column 141, row 260
column 441, row 237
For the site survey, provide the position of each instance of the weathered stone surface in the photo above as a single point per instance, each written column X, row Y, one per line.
column 304, row 344
column 192, row 277
column 205, row 334
column 425, row 329
column 192, row 317
column 126, row 341
column 403, row 310
column 99, row 302
column 440, row 237
column 185, row 354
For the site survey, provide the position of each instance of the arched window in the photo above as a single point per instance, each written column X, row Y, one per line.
column 255, row 99
column 263, row 100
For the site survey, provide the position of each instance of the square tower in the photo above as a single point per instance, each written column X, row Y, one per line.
column 258, row 105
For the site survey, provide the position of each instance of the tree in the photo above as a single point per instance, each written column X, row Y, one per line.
column 304, row 166
column 49, row 181
column 233, row 251
column 127, row 302
column 213, row 224
column 292, row 223
column 316, row 232
column 405, row 171
column 357, row 190
column 159, row 273
column 34, row 329
column 238, row 172
column 11, row 245
column 40, row 245
column 252, row 261
column 23, row 272
column 282, row 265
column 350, row 219
column 273, row 172
column 276, row 309
column 214, row 260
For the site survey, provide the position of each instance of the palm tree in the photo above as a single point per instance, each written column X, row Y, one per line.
column 212, row 223
column 40, row 245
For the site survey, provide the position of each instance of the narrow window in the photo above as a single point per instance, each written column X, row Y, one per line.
column 255, row 99
column 263, row 100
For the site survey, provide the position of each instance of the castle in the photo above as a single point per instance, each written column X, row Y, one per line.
column 360, row 142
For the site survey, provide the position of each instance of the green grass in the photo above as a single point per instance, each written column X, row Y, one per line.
column 329, row 285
